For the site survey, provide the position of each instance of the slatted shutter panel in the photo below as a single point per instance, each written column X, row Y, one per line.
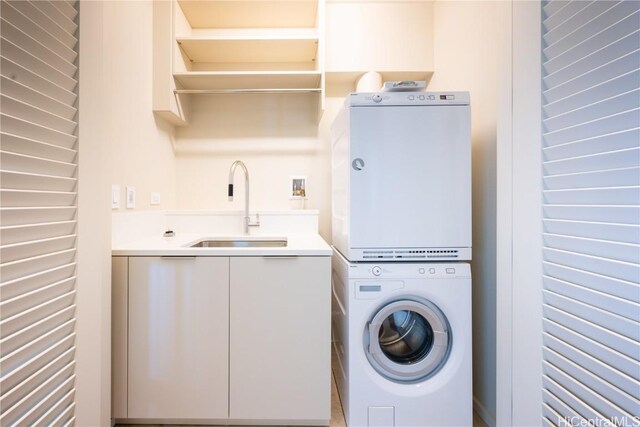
column 591, row 212
column 38, row 184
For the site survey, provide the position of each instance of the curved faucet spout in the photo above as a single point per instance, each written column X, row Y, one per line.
column 247, row 218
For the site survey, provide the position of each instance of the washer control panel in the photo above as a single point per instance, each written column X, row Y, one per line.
column 410, row 271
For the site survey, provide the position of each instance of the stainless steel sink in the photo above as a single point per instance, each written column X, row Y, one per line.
column 240, row 244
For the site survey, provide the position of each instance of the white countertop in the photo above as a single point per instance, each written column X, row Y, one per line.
column 306, row 244
column 141, row 233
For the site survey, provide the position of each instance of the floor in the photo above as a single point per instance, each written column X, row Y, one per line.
column 337, row 418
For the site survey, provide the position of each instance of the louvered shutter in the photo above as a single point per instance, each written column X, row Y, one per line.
column 591, row 213
column 38, row 155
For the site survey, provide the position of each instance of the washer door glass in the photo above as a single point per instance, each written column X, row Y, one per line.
column 408, row 340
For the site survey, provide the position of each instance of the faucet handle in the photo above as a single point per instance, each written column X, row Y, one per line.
column 230, row 192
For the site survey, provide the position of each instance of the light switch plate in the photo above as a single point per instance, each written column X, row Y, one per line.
column 115, row 196
column 131, row 197
column 155, row 198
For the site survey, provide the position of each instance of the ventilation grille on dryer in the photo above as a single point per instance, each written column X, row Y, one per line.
column 411, row 254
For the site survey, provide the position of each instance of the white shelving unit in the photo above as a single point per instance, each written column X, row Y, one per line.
column 242, row 46
column 284, row 46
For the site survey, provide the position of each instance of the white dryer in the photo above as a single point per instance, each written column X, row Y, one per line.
column 401, row 177
column 402, row 343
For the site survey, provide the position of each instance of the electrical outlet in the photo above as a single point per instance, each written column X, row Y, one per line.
column 298, row 187
column 131, row 197
column 155, row 198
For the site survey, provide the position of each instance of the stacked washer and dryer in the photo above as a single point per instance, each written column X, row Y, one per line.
column 401, row 311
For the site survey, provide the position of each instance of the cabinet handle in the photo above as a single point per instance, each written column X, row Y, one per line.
column 177, row 258
column 280, row 257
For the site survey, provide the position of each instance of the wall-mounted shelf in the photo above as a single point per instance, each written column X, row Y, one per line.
column 214, row 50
column 249, row 80
column 339, row 83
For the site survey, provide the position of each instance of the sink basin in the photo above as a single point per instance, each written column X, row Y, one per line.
column 239, row 243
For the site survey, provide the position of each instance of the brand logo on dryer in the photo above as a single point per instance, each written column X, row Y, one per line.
column 357, row 164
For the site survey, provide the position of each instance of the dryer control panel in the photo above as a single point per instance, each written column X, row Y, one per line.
column 364, row 99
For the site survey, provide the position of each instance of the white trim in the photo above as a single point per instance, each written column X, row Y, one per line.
column 504, row 233
column 519, row 237
column 93, row 342
column 526, row 368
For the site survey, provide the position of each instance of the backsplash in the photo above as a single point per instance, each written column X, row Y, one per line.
column 133, row 226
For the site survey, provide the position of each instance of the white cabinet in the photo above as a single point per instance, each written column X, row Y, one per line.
column 394, row 38
column 243, row 339
column 166, row 103
column 178, row 337
column 280, row 367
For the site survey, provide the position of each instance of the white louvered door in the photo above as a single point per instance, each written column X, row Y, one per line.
column 38, row 153
column 591, row 212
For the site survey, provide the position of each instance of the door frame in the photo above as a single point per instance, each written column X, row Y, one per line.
column 519, row 212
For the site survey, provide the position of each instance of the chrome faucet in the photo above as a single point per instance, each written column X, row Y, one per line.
column 247, row 218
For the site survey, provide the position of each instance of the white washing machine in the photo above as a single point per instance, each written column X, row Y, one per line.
column 402, row 343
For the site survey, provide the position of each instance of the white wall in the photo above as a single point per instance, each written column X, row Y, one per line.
column 142, row 144
column 119, row 142
column 467, row 51
column 277, row 136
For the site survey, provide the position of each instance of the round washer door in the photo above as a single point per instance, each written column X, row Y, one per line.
column 408, row 340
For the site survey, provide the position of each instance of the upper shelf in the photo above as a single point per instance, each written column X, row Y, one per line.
column 250, row 13
column 241, row 80
column 247, row 49
column 342, row 82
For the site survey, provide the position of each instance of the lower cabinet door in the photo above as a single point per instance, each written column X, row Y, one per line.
column 280, row 367
column 178, row 337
